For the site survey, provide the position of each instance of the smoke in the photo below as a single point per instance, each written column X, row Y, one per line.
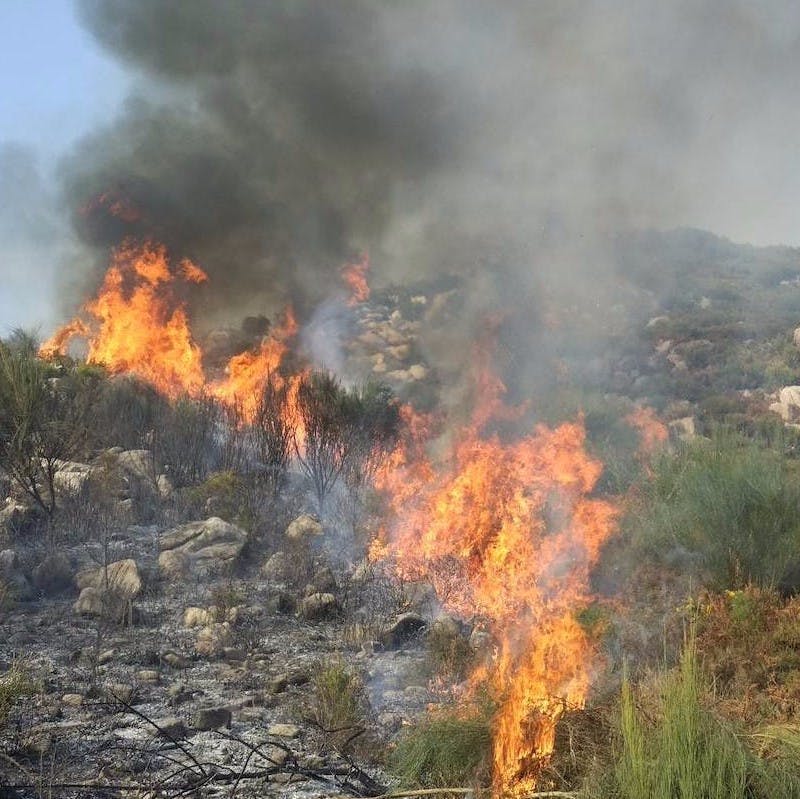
column 505, row 142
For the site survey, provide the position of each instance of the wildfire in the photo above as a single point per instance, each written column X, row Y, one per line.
column 354, row 276
column 137, row 324
column 653, row 433
column 508, row 532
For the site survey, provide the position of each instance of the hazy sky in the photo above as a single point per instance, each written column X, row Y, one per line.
column 55, row 84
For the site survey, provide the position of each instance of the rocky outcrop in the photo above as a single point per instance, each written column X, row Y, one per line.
column 787, row 404
column 108, row 591
column 200, row 547
column 304, row 528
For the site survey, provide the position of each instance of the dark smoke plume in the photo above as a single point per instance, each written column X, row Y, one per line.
column 270, row 140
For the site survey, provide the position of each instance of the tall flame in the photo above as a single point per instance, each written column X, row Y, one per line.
column 354, row 276
column 508, row 532
column 137, row 324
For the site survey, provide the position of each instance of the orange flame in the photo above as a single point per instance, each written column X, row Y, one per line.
column 508, row 532
column 138, row 325
column 354, row 276
column 653, row 433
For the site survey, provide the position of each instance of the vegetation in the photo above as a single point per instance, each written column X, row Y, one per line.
column 729, row 504
column 14, row 684
column 44, row 418
column 344, row 431
column 338, row 705
column 447, row 748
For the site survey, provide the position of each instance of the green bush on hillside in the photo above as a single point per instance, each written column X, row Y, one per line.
column 729, row 503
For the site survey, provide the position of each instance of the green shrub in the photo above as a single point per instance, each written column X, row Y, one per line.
column 446, row 748
column 338, row 704
column 730, row 503
column 449, row 653
column 14, row 684
column 687, row 752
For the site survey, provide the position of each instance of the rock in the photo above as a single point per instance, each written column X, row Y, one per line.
column 120, row 578
column 171, row 728
column 283, row 730
column 148, row 675
column 196, row 617
column 212, row 639
column 211, row 718
column 72, row 700
column 108, row 592
column 200, row 547
column 137, row 463
column 682, row 429
column 282, row 602
column 448, row 626
column 304, row 528
column 53, row 574
column 164, row 486
column 17, row 518
column 319, row 606
column 788, row 404
column 277, row 568
column 796, row 337
column 120, row 692
column 481, row 642
column 403, row 629
column 324, row 581
column 93, row 602
column 174, row 660
column 70, row 477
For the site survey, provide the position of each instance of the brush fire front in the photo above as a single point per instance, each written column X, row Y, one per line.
column 505, row 527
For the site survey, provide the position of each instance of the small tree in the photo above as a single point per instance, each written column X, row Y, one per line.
column 273, row 432
column 43, row 418
column 345, row 431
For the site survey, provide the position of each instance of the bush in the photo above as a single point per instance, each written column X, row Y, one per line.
column 339, row 705
column 448, row 747
column 449, row 653
column 686, row 752
column 730, row 503
column 14, row 684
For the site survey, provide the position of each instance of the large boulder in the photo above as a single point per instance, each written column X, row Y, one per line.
column 121, row 577
column 200, row 547
column 137, row 463
column 788, row 404
column 317, row 607
column 16, row 517
column 304, row 528
column 70, row 477
column 108, row 591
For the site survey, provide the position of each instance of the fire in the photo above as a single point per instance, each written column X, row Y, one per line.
column 246, row 373
column 137, row 324
column 354, row 276
column 653, row 433
column 508, row 532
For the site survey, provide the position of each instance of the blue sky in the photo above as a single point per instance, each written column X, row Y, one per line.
column 55, row 85
column 55, row 82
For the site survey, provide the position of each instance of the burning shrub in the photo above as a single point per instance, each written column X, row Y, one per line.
column 447, row 748
column 729, row 503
